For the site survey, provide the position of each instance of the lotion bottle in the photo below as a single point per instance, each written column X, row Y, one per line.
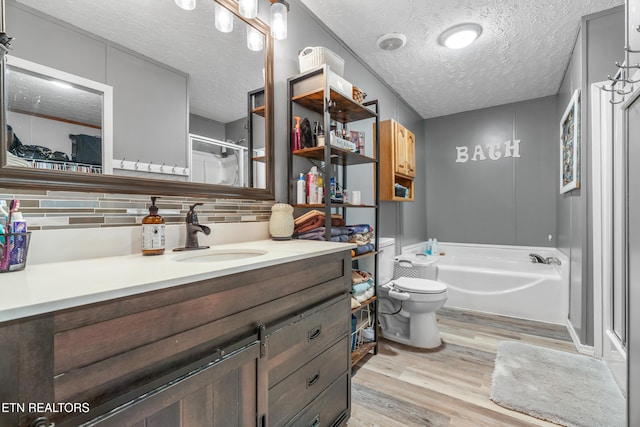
column 153, row 229
column 300, row 185
column 297, row 144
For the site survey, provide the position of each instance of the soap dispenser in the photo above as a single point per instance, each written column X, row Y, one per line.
column 153, row 231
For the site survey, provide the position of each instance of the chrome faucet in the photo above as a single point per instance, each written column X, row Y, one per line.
column 539, row 259
column 193, row 228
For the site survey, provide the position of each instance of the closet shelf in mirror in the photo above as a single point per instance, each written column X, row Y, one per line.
column 339, row 156
column 333, row 205
column 260, row 111
column 64, row 166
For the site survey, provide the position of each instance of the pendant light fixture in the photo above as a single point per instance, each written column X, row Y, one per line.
column 248, row 8
column 278, row 19
column 255, row 39
column 223, row 19
column 186, row 4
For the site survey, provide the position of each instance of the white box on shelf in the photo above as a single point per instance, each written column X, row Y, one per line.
column 311, row 57
column 340, row 84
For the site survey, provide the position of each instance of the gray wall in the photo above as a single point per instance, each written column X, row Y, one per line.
column 598, row 46
column 509, row 201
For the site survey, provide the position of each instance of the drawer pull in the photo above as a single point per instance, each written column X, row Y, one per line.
column 315, row 333
column 315, row 422
column 311, row 381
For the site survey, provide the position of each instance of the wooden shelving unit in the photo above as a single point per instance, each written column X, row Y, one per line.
column 311, row 92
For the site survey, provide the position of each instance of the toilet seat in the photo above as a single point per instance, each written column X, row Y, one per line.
column 419, row 286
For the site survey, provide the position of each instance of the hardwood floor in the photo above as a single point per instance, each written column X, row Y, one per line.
column 447, row 386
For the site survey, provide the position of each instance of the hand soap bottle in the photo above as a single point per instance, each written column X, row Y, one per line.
column 153, row 231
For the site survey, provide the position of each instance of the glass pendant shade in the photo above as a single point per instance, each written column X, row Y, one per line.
column 248, row 8
column 186, row 4
column 255, row 39
column 278, row 20
column 224, row 19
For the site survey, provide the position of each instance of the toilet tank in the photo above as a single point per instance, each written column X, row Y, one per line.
column 386, row 253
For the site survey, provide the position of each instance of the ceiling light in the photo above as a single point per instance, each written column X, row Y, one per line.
column 391, row 41
column 460, row 36
column 186, row 4
column 248, row 8
column 223, row 19
column 278, row 19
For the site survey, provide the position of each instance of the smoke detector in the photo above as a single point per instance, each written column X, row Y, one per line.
column 391, row 41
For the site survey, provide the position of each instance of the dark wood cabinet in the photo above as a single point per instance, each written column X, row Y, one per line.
column 200, row 354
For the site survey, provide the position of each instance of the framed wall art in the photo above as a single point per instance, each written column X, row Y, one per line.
column 570, row 145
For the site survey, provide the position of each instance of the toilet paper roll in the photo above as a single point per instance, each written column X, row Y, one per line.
column 356, row 198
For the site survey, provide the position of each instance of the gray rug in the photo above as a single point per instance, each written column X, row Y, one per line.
column 564, row 388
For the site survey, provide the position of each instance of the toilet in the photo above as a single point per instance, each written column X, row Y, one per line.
column 409, row 297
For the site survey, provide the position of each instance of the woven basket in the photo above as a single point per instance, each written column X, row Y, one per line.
column 358, row 95
column 311, row 57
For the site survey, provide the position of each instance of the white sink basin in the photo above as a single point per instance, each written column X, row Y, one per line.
column 219, row 255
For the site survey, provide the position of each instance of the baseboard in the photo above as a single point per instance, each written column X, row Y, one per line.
column 581, row 348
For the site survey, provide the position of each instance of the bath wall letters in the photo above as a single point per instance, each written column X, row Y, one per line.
column 494, row 150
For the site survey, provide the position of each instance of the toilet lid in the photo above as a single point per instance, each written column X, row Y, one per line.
column 420, row 286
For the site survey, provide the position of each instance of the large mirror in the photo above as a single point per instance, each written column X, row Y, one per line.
column 138, row 97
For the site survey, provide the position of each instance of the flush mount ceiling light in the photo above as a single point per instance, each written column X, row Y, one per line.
column 186, row 4
column 460, row 36
column 391, row 41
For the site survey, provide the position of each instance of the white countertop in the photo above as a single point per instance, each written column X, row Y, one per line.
column 44, row 288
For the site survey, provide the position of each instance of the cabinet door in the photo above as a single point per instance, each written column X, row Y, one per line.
column 410, row 154
column 633, row 32
column 400, row 134
column 222, row 394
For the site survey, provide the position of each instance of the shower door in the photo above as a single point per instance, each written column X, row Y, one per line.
column 632, row 139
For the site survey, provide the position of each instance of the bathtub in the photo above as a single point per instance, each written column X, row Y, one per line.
column 501, row 280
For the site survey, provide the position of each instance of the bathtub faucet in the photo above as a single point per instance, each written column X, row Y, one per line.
column 539, row 259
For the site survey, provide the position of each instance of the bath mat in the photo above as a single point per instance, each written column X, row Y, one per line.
column 564, row 388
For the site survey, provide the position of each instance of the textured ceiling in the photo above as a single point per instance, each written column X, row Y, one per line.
column 522, row 53
column 221, row 68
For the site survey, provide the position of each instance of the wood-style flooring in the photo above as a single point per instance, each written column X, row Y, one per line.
column 447, row 386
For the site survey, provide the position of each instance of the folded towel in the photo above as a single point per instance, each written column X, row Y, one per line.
column 361, row 228
column 359, row 276
column 360, row 238
column 362, row 287
column 361, row 297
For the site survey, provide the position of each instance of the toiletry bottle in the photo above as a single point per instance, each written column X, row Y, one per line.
column 300, row 185
column 429, row 246
column 297, row 145
column 320, row 190
column 434, row 247
column 19, row 249
column 4, row 215
column 312, row 194
column 153, row 231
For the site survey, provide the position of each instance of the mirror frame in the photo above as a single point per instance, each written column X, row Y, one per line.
column 23, row 178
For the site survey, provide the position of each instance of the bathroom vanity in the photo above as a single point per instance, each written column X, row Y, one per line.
column 261, row 339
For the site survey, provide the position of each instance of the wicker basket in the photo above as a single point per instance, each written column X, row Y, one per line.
column 311, row 57
column 358, row 95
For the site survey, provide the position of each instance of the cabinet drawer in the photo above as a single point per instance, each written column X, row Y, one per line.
column 296, row 391
column 328, row 408
column 293, row 346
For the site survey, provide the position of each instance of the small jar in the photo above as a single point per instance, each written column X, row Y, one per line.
column 281, row 222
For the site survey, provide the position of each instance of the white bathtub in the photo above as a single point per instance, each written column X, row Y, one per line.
column 502, row 280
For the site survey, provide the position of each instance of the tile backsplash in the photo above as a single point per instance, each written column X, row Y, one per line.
column 48, row 210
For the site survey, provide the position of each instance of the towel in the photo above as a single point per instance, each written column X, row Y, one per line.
column 362, row 287
column 359, row 276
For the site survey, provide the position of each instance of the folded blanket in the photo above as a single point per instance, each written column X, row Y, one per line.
column 361, row 228
column 359, row 276
column 362, row 287
column 362, row 249
column 361, row 297
column 335, row 231
column 315, row 222
column 360, row 238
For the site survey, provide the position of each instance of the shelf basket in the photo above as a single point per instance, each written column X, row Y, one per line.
column 311, row 57
column 13, row 251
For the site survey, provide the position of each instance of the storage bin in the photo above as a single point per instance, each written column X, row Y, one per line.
column 311, row 57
